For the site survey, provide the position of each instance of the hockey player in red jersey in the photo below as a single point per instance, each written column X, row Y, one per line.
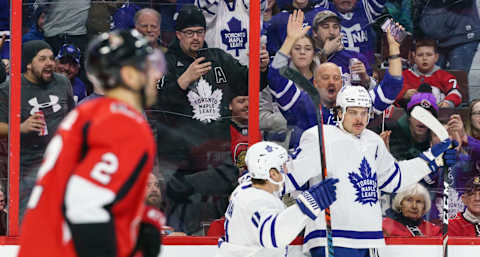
column 90, row 190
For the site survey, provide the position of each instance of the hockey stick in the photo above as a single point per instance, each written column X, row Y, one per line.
column 307, row 86
column 436, row 127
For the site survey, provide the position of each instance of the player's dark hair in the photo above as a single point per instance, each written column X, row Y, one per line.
column 256, row 181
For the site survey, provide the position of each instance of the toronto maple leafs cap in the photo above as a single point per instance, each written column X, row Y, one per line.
column 323, row 16
column 71, row 51
column 190, row 16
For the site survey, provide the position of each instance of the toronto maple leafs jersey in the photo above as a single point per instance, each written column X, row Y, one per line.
column 277, row 31
column 357, row 32
column 258, row 224
column 369, row 169
column 228, row 25
column 298, row 108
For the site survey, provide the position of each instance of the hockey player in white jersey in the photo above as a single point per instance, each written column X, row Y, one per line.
column 360, row 160
column 257, row 223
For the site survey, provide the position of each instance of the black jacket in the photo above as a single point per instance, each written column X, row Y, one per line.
column 188, row 121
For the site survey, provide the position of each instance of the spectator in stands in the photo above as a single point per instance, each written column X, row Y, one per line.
column 193, row 103
column 327, row 37
column 406, row 218
column 154, row 193
column 444, row 85
column 228, row 26
column 97, row 90
column 357, row 17
column 472, row 124
column 409, row 137
column 124, row 17
column 239, row 131
column 455, row 24
column 65, row 22
column 68, row 64
column 276, row 32
column 272, row 122
column 467, row 223
column 46, row 99
column 148, row 22
column 3, row 212
column 297, row 106
column 36, row 31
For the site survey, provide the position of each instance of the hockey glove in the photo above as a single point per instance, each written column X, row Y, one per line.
column 318, row 198
column 150, row 236
column 436, row 154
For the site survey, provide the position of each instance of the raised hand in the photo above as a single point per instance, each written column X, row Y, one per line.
column 295, row 28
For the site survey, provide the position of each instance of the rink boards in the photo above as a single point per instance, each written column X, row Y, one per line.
column 396, row 247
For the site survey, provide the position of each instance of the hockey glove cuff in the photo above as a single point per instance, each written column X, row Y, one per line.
column 317, row 198
column 434, row 155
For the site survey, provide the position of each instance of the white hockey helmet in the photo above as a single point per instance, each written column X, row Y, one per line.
column 354, row 96
column 263, row 156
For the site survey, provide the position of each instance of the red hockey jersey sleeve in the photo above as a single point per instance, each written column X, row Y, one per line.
column 448, row 85
column 109, row 180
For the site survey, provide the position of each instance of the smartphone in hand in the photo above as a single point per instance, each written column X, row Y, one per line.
column 396, row 31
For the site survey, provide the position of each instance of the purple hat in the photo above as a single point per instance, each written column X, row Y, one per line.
column 425, row 100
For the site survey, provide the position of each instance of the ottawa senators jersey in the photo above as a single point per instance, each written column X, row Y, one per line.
column 89, row 196
column 444, row 85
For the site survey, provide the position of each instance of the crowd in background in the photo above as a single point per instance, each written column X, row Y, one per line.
column 201, row 118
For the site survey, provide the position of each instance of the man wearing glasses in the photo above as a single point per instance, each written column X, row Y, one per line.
column 192, row 121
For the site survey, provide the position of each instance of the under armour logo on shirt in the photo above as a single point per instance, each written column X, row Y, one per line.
column 37, row 106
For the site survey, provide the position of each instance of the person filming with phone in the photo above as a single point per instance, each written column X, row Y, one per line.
column 192, row 121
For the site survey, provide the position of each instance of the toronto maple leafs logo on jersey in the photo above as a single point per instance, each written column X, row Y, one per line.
column 365, row 183
column 236, row 37
column 205, row 103
column 353, row 36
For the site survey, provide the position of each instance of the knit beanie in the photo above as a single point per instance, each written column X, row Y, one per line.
column 425, row 99
column 190, row 16
column 30, row 49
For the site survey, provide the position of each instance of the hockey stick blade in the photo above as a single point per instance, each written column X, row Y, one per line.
column 430, row 122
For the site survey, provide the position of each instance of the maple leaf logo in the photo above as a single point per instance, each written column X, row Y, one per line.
column 235, row 37
column 206, row 105
column 365, row 183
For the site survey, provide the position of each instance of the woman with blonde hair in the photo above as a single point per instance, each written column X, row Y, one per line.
column 472, row 124
column 409, row 206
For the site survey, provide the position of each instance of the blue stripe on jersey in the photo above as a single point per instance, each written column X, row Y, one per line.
column 395, row 173
column 272, row 232
column 254, row 222
column 261, row 229
column 345, row 233
column 226, row 230
column 399, row 182
column 292, row 179
column 246, row 186
column 257, row 215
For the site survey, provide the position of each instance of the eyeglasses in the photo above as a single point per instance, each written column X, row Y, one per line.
column 190, row 33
